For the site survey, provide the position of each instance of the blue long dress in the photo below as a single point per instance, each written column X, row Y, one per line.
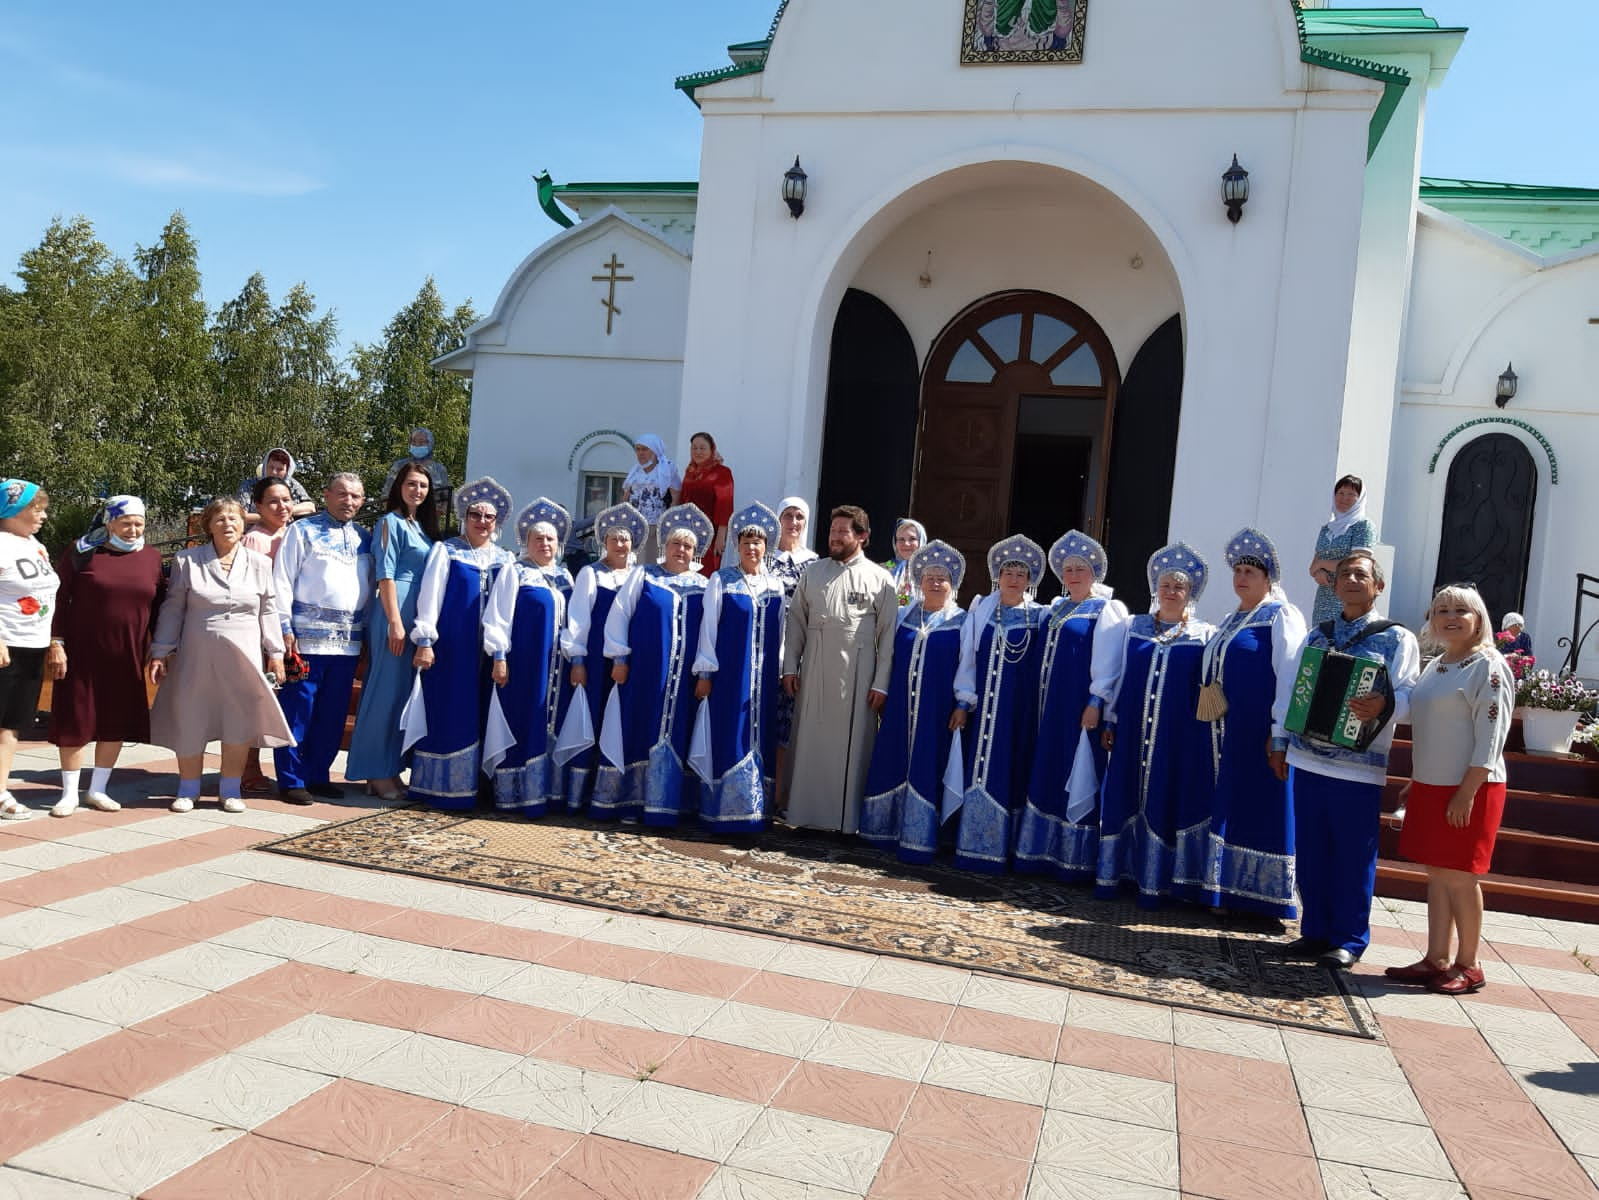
column 399, row 552
column 1250, row 858
column 525, row 616
column 455, row 586
column 1081, row 659
column 1154, row 821
column 593, row 593
column 654, row 625
column 904, row 798
column 741, row 649
column 1002, row 649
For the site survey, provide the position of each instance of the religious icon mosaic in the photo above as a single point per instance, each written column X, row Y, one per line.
column 1024, row 31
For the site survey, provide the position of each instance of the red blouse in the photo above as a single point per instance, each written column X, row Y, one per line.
column 711, row 488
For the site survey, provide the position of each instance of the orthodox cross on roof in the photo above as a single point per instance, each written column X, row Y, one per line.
column 612, row 278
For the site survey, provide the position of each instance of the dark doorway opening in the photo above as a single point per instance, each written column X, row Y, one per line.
column 1048, row 489
column 1487, row 525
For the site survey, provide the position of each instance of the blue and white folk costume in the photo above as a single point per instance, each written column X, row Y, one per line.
column 323, row 579
column 654, row 628
column 525, row 616
column 741, row 651
column 905, row 790
column 1002, row 648
column 1155, row 807
column 583, row 643
column 1250, row 862
column 445, row 715
column 1059, row 832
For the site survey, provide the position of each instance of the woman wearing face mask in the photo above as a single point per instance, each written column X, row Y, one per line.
column 651, row 636
column 904, row 802
column 1059, row 832
column 651, row 487
column 620, row 528
column 27, row 601
column 1347, row 530
column 111, row 590
column 909, row 537
column 1154, row 824
column 1247, row 677
column 522, row 628
column 996, row 692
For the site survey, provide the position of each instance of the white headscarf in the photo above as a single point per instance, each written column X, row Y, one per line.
column 1341, row 522
column 664, row 469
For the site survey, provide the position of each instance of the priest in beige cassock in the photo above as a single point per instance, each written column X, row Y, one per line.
column 838, row 654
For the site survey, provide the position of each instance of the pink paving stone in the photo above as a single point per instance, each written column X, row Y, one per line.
column 123, row 1064
column 355, row 1120
column 36, row 1110
column 220, row 1022
column 196, row 922
column 380, row 1183
column 1588, row 1031
column 603, row 1167
column 257, row 1168
column 505, row 941
column 498, row 1024
column 1479, row 1080
column 427, row 928
column 1527, row 1165
column 1230, row 1116
column 300, row 987
column 1507, row 995
column 483, row 1152
column 980, row 1124
column 683, row 973
column 1116, row 1053
column 1228, row 1074
column 854, row 1097
column 1228, row 1171
column 1429, row 1039
column 915, row 1169
column 895, row 1014
column 407, row 1006
column 724, row 1070
column 1540, row 956
column 1003, row 1033
column 809, row 997
column 341, row 912
column 599, row 958
column 268, row 899
column 34, row 973
column 613, row 1049
column 1583, row 1008
column 122, row 946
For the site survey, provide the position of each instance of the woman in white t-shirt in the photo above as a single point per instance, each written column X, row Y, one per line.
column 652, row 487
column 28, row 586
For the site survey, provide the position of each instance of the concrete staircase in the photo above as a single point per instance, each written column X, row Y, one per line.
column 1546, row 860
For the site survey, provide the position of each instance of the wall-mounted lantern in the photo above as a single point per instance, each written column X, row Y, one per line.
column 1235, row 190
column 1505, row 389
column 794, row 189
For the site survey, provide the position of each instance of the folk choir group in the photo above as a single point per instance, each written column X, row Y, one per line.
column 1145, row 754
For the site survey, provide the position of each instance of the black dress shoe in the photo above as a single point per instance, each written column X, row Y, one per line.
column 328, row 791
column 1304, row 949
column 1337, row 959
column 295, row 796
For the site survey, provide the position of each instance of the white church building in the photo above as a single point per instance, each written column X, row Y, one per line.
column 1009, row 296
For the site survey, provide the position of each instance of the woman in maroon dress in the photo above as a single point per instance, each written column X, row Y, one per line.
column 708, row 484
column 111, row 589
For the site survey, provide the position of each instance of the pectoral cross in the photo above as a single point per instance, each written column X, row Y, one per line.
column 609, row 302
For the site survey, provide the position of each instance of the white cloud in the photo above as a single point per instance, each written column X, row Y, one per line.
column 158, row 172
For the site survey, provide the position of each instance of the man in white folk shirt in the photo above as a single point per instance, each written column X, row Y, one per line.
column 838, row 653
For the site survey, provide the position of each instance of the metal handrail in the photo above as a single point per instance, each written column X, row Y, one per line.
column 1587, row 589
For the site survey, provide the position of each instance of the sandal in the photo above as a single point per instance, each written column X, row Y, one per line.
column 257, row 785
column 1423, row 971
column 12, row 809
column 1458, row 981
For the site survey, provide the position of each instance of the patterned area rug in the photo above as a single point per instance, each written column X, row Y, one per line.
column 838, row 892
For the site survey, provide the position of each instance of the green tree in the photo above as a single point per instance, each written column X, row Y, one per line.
column 405, row 390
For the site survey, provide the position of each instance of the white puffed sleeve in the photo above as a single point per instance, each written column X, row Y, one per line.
column 705, row 661
column 1109, row 653
column 618, row 645
column 430, row 595
column 1287, row 637
column 285, row 569
column 1404, row 674
column 971, row 638
column 575, row 638
column 500, row 611
column 1115, row 664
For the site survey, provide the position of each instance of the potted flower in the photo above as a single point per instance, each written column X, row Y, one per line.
column 1551, row 705
column 1586, row 740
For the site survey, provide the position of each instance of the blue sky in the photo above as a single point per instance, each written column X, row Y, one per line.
column 361, row 147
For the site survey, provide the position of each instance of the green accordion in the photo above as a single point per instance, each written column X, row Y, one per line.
column 1326, row 682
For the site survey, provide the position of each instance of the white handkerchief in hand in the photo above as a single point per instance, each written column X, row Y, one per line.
column 577, row 731
column 413, row 717
column 699, row 742
column 1082, row 786
column 954, row 779
column 497, row 736
column 611, row 730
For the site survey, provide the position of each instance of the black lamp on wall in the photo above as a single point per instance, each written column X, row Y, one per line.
column 1235, row 190
column 794, row 189
column 1505, row 389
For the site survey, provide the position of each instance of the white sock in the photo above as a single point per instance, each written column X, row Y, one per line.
column 69, row 783
column 99, row 779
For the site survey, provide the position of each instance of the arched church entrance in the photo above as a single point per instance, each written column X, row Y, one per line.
column 1487, row 523
column 1018, row 407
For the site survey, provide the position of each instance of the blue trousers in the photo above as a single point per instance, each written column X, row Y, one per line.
column 1336, row 823
column 315, row 709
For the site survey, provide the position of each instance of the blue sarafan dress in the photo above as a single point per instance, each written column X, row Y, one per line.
column 1250, row 860
column 741, row 651
column 523, row 621
column 654, row 626
column 1059, row 831
column 444, row 718
column 1154, row 821
column 1002, row 648
column 593, row 592
column 399, row 553
column 904, row 799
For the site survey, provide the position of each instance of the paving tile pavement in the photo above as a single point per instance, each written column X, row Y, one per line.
column 182, row 1017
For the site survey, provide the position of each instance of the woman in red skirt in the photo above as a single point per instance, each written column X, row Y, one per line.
column 1459, row 717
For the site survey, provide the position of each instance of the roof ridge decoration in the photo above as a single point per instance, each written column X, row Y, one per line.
column 1394, row 79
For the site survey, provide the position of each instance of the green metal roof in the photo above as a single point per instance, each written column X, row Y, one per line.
column 1345, row 21
column 1436, row 188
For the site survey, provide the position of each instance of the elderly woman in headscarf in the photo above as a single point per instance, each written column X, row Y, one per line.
column 444, row 718
column 996, row 691
column 522, row 627
column 651, row 636
column 27, row 600
column 652, row 488
column 1346, row 531
column 905, row 792
column 732, row 747
column 1154, row 824
column 1059, row 831
column 1246, row 680
column 909, row 537
column 619, row 528
column 112, row 586
column 787, row 561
